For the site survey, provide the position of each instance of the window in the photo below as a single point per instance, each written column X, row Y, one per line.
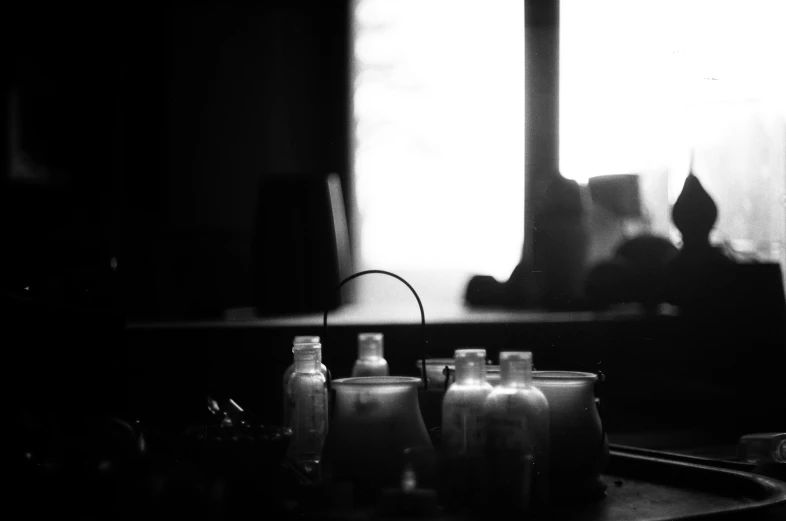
column 439, row 159
column 647, row 84
column 646, row 87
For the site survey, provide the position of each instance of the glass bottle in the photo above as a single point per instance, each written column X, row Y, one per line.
column 463, row 430
column 308, row 419
column 370, row 361
column 517, row 437
column 287, row 399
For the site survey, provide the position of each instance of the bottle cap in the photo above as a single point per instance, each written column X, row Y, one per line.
column 474, row 353
column 524, row 356
column 515, row 365
column 470, row 365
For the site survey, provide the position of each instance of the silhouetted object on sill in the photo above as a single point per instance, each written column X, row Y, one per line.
column 735, row 310
column 615, row 215
column 553, row 277
column 701, row 275
column 631, row 267
column 704, row 281
column 609, row 282
column 301, row 249
column 619, row 194
column 634, row 274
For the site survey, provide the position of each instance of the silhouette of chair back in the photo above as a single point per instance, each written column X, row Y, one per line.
column 301, row 245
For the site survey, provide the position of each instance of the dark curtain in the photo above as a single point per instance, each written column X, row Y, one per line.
column 145, row 133
column 134, row 141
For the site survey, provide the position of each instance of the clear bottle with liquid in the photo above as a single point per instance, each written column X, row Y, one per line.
column 517, row 438
column 463, row 429
column 309, row 418
column 297, row 343
column 371, row 360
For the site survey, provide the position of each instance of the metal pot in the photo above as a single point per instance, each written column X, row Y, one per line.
column 579, row 447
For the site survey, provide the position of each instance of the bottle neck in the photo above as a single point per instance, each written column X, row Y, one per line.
column 307, row 366
column 311, row 341
column 307, row 358
column 516, row 373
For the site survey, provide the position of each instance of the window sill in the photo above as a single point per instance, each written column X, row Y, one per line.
column 407, row 314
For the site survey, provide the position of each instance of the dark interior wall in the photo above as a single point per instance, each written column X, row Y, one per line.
column 143, row 132
column 250, row 91
column 253, row 90
column 62, row 172
column 156, row 124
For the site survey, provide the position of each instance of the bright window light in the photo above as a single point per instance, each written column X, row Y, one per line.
column 639, row 78
column 647, row 84
column 439, row 139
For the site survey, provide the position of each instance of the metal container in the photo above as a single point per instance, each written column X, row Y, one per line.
column 578, row 444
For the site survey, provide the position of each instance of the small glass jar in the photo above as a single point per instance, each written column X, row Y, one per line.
column 309, row 418
column 297, row 343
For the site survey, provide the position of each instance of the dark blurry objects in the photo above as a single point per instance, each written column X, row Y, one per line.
column 738, row 310
column 485, row 290
column 74, row 464
column 67, row 380
column 635, row 273
column 700, row 278
column 615, row 213
column 552, row 278
column 702, row 275
column 157, row 143
column 241, row 466
column 619, row 194
column 176, row 274
column 55, row 254
column 609, row 282
column 65, row 357
column 227, row 465
column 560, row 243
column 59, row 200
column 694, row 214
column 105, row 468
column 767, row 451
column 301, row 249
column 705, row 281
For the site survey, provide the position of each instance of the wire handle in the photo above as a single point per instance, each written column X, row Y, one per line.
column 420, row 305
